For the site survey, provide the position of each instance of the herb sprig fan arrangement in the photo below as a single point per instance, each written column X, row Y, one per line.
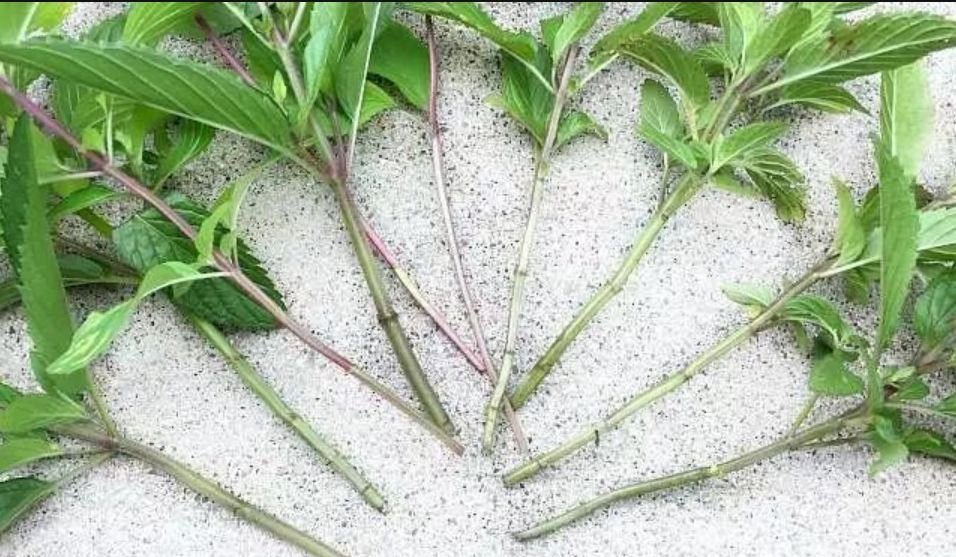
column 798, row 55
column 889, row 409
column 538, row 78
column 768, row 171
column 251, row 114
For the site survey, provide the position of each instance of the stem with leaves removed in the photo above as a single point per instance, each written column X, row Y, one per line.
column 486, row 364
column 687, row 188
column 508, row 360
column 692, row 475
column 224, row 264
column 387, row 317
column 690, row 185
column 378, row 244
column 205, row 487
column 272, row 399
column 592, row 434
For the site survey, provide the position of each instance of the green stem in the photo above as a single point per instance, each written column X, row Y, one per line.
column 284, row 412
column 687, row 477
column 685, row 191
column 592, row 434
column 804, row 414
column 541, row 167
column 387, row 317
column 99, row 404
column 204, row 487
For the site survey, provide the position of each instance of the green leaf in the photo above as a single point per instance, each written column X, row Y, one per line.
column 814, row 310
column 28, row 241
column 829, row 375
column 225, row 213
column 352, row 72
column 194, row 139
column 660, row 123
column 882, row 42
column 930, row 443
column 148, row 22
column 148, row 239
column 328, row 34
column 21, row 18
column 947, row 406
column 850, row 240
column 574, row 124
column 32, row 412
column 888, row 442
column 85, row 198
column 696, row 12
column 523, row 98
column 900, row 229
column 821, row 96
column 94, row 336
column 906, row 115
column 18, row 452
column 934, row 315
column 665, row 57
column 575, row 25
column 374, row 102
column 749, row 295
column 742, row 142
column 7, row 394
column 713, row 58
column 521, row 46
column 633, row 28
column 20, row 495
column 210, row 95
column 912, row 388
column 740, row 22
column 401, row 58
column 779, row 180
column 775, row 38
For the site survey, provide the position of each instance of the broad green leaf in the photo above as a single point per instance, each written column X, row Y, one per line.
column 947, row 406
column 888, row 442
column 749, row 295
column 741, row 143
column 740, row 22
column 930, row 443
column 814, row 310
column 906, row 115
column 148, row 22
column 263, row 62
column 775, row 38
column 374, row 102
column 779, row 180
column 28, row 241
column 879, row 43
column 351, row 73
column 821, row 96
column 549, row 30
column 850, row 240
column 847, row 7
column 7, row 394
column 94, row 336
column 659, row 111
column 661, row 125
column 194, row 138
column 634, row 27
column 20, row 495
column 21, row 18
column 401, row 58
column 574, row 124
column 574, row 26
column 829, row 376
column 523, row 98
column 225, row 213
column 84, row 199
column 18, row 452
column 665, row 57
column 913, row 388
column 934, row 316
column 900, row 230
column 713, row 58
column 210, row 95
column 148, row 239
column 32, row 412
column 327, row 41
column 696, row 12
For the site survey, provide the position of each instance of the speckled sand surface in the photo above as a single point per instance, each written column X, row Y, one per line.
column 168, row 388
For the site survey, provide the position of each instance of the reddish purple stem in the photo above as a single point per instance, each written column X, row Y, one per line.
column 224, row 51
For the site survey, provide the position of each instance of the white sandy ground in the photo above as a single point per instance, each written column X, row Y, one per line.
column 168, row 388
